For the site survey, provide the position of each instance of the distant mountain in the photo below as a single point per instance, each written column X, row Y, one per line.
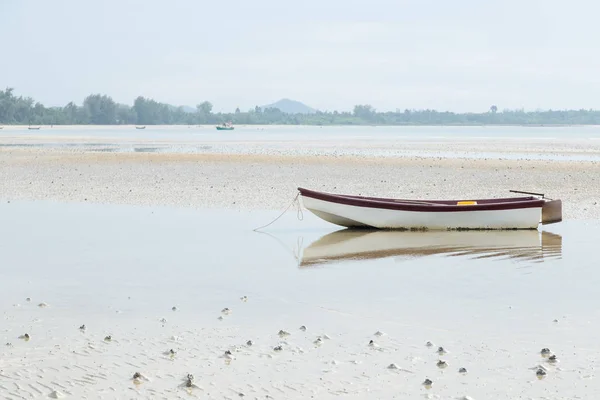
column 291, row 107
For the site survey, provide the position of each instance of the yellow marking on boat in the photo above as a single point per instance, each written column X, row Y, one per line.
column 466, row 203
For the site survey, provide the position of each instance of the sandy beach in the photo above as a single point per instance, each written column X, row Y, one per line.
column 254, row 181
column 113, row 258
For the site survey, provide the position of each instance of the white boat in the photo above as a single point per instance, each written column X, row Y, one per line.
column 369, row 244
column 525, row 212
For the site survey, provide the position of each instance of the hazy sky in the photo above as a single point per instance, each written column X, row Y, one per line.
column 459, row 55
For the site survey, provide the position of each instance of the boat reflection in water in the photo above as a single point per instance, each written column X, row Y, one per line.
column 360, row 244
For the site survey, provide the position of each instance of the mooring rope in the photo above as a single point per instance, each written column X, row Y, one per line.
column 299, row 214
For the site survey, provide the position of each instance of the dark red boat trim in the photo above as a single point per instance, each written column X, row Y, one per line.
column 433, row 206
column 446, row 202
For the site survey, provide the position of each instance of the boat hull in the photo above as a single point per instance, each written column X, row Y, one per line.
column 362, row 212
column 220, row 128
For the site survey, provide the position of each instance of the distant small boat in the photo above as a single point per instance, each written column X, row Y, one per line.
column 225, row 127
column 481, row 214
column 34, row 128
column 140, row 127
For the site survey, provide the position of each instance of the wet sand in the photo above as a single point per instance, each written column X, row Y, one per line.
column 261, row 167
column 114, row 240
column 251, row 181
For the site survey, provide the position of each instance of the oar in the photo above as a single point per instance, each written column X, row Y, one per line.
column 521, row 192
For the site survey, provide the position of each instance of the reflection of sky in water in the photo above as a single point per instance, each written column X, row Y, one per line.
column 278, row 149
column 83, row 256
column 249, row 132
column 357, row 141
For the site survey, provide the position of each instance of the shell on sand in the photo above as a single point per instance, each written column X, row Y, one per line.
column 140, row 377
column 545, row 352
column 56, row 395
column 43, row 305
column 540, row 373
column 188, row 382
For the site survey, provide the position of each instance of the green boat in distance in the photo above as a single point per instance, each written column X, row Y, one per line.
column 225, row 127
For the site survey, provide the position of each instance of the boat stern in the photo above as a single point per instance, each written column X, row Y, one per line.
column 552, row 212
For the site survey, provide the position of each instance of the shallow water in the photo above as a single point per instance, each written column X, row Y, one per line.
column 577, row 143
column 489, row 298
column 293, row 132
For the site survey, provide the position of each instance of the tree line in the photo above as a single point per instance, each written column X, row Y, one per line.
column 98, row 109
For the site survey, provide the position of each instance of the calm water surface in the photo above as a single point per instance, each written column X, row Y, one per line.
column 578, row 143
column 101, row 252
column 293, row 133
